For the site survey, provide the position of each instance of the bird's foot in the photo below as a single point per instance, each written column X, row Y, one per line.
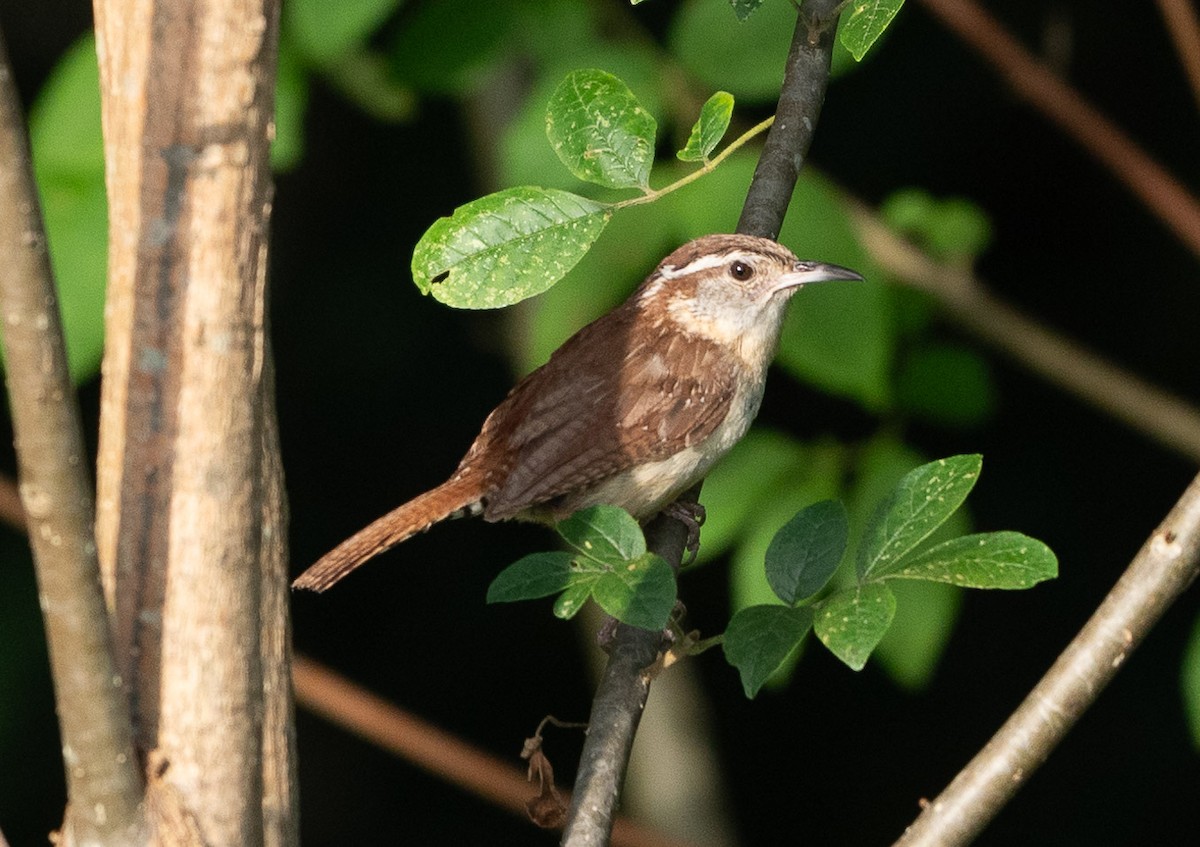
column 692, row 516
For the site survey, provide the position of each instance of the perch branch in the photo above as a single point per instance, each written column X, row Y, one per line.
column 103, row 785
column 1165, row 566
column 624, row 687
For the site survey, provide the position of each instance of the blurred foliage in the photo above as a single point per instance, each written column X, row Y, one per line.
column 868, row 343
column 68, row 156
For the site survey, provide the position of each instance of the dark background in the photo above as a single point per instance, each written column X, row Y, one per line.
column 380, row 390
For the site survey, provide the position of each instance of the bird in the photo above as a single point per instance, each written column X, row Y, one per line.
column 631, row 411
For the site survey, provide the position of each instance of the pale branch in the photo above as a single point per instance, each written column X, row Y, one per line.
column 1157, row 189
column 372, row 718
column 103, row 784
column 1165, row 566
column 1183, row 24
column 625, row 685
column 1159, row 414
column 188, row 523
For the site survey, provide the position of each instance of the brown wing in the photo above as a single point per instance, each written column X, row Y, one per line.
column 608, row 400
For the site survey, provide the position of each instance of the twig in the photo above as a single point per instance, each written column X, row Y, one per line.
column 1038, row 85
column 1165, row 566
column 623, row 690
column 1184, row 26
column 103, row 783
column 384, row 724
column 800, row 102
column 1157, row 413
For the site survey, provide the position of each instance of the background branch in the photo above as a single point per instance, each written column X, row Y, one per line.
column 1183, row 24
column 1165, row 566
column 1158, row 190
column 384, row 724
column 625, row 685
column 1159, row 414
column 103, row 785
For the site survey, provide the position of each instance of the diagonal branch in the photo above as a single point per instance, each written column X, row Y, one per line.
column 102, row 781
column 1165, row 566
column 1158, row 190
column 623, row 690
column 385, row 725
column 1163, row 416
column 1184, row 26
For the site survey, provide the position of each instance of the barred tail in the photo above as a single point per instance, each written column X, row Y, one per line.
column 451, row 499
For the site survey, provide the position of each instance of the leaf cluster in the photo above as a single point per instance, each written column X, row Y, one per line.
column 851, row 620
column 608, row 562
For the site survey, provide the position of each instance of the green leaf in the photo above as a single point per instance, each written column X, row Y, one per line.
column 914, row 643
column 606, row 534
column 502, row 248
column 633, row 242
column 817, row 480
column 922, row 502
column 533, row 576
column 734, row 490
column 449, row 47
column 984, row 560
column 851, row 622
column 866, row 21
column 958, row 230
column 600, row 131
column 709, row 129
column 325, row 31
column 68, row 157
column 946, row 384
column 839, row 337
column 640, row 592
column 746, row 59
column 291, row 102
column 572, row 600
column 954, row 229
column 64, row 122
column 806, row 551
column 525, row 157
column 759, row 639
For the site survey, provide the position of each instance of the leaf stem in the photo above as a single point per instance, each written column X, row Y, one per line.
column 654, row 194
column 706, row 644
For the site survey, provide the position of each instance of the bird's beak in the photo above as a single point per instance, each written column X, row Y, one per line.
column 806, row 272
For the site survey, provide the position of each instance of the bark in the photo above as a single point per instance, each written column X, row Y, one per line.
column 190, row 514
column 102, row 780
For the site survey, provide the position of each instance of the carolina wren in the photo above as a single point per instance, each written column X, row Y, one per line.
column 632, row 410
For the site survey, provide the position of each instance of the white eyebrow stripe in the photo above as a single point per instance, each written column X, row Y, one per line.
column 700, row 264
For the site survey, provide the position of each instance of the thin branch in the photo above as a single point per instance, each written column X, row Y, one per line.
column 800, row 102
column 1165, row 566
column 1184, row 26
column 1158, row 190
column 103, row 784
column 384, row 724
column 621, row 696
column 1159, row 414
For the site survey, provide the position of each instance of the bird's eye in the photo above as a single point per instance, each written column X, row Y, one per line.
column 740, row 270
